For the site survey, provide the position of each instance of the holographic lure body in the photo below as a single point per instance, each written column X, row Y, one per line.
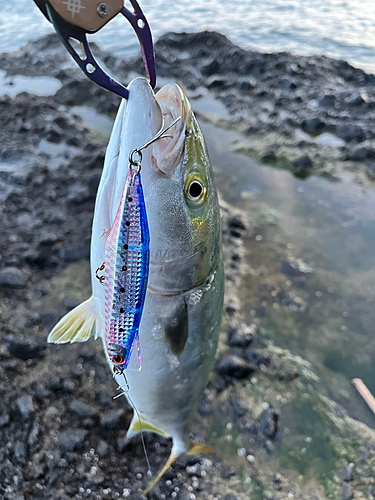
column 126, row 272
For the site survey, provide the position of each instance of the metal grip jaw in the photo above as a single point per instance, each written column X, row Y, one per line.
column 73, row 19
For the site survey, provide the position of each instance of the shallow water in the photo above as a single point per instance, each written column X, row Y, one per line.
column 37, row 85
column 331, row 227
column 340, row 29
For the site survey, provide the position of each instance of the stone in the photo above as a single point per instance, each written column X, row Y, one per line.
column 327, row 101
column 347, row 473
column 302, row 166
column 54, row 133
column 347, row 492
column 122, row 443
column 233, row 366
column 4, row 419
column 210, row 68
column 268, row 423
column 25, row 406
column 82, row 409
column 291, row 269
column 48, row 239
column 20, row 452
column 242, row 336
column 313, row 126
column 74, row 253
column 25, row 350
column 14, row 278
column 349, row 132
column 269, row 154
column 72, row 439
column 361, row 153
column 110, row 419
column 102, row 448
column 236, row 222
column 257, row 358
column 73, row 141
column 78, row 194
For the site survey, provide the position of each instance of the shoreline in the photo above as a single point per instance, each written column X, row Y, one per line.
column 65, row 435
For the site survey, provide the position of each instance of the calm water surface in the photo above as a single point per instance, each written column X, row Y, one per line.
column 342, row 29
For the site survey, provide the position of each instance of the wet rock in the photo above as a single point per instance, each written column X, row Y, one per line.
column 302, row 166
column 72, row 439
column 48, row 239
column 54, row 383
column 233, row 366
column 361, row 153
column 268, row 423
column 210, row 68
column 20, row 452
column 25, row 407
column 111, row 419
column 78, row 194
column 74, row 141
column 313, row 126
column 242, row 336
column 82, row 409
column 256, row 358
column 327, row 101
column 25, row 350
column 347, row 492
column 349, row 132
column 13, row 278
column 216, row 82
column 54, row 133
column 41, row 392
column 236, row 221
column 102, row 448
column 122, row 443
column 4, row 420
column 260, row 311
column 74, row 254
column 347, row 473
column 291, row 269
column 269, row 154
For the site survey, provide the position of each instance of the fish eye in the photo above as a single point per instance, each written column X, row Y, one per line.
column 195, row 190
column 118, row 359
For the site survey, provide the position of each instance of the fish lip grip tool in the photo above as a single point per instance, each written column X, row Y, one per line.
column 73, row 19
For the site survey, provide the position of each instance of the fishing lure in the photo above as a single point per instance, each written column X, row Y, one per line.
column 127, row 252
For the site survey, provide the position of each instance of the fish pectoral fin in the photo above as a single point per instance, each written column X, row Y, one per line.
column 76, row 326
column 135, row 427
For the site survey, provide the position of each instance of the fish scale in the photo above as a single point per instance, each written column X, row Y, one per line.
column 126, row 270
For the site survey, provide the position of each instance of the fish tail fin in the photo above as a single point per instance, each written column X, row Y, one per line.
column 177, row 450
column 159, row 475
column 76, row 326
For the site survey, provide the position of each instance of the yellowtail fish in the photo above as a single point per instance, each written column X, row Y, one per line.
column 178, row 332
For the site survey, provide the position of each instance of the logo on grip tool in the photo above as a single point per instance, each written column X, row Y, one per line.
column 74, row 6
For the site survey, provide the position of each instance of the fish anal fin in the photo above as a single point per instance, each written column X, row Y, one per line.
column 78, row 325
column 135, row 427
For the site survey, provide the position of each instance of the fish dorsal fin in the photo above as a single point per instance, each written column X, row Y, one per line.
column 135, row 427
column 76, row 326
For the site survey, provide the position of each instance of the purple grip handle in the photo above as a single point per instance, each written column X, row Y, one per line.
column 89, row 64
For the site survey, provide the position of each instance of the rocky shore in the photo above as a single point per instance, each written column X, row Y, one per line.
column 61, row 433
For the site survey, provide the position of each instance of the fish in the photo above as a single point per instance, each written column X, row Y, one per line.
column 182, row 312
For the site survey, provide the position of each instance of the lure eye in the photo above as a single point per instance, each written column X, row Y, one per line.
column 195, row 190
column 118, row 359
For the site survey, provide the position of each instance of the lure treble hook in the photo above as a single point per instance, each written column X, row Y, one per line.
column 73, row 19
